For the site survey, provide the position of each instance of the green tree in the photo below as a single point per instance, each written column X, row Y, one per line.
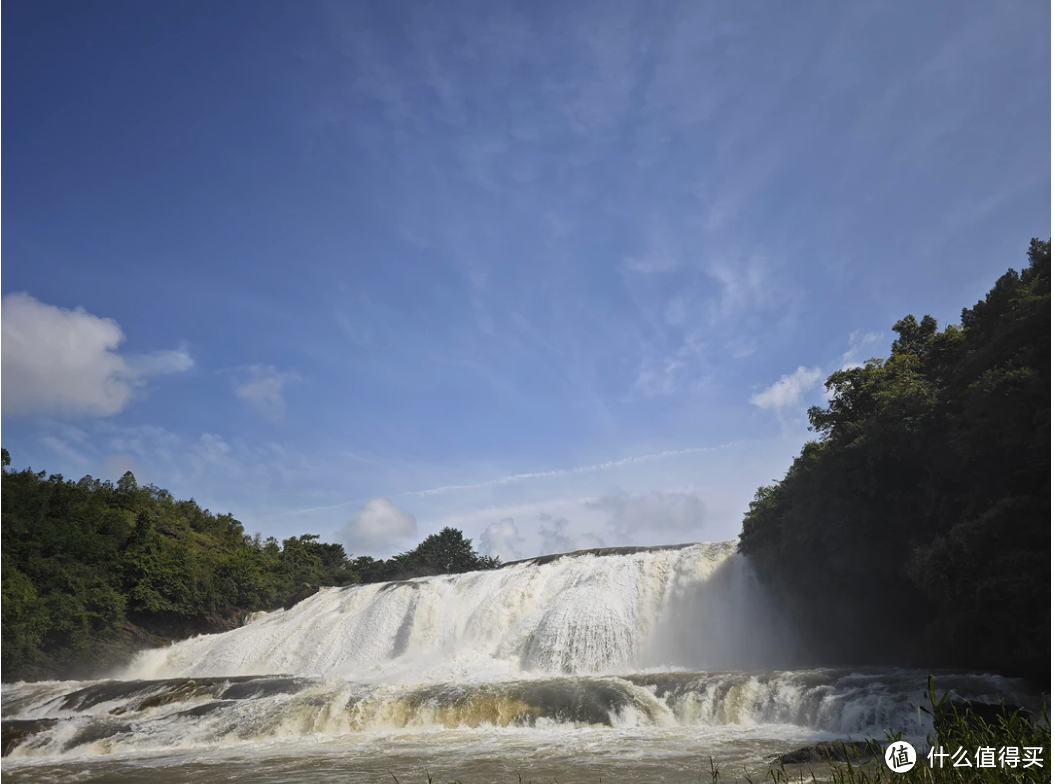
column 928, row 488
column 84, row 559
column 447, row 552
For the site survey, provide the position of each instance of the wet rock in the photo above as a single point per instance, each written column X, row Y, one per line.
column 15, row 732
column 179, row 693
column 205, row 709
column 97, row 730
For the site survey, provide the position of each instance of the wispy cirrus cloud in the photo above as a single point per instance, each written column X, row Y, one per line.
column 559, row 233
column 495, row 168
column 261, row 387
column 161, row 363
column 855, row 354
column 560, row 472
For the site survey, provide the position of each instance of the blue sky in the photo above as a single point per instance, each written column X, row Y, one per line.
column 556, row 274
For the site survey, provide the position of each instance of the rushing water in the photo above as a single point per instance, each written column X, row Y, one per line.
column 625, row 667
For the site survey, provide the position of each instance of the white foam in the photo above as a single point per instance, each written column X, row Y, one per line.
column 696, row 607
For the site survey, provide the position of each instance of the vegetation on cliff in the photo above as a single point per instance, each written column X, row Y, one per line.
column 918, row 524
column 84, row 561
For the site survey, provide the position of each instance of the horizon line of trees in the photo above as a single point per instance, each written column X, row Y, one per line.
column 85, row 560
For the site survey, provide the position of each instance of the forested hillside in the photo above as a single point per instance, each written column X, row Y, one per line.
column 89, row 562
column 917, row 527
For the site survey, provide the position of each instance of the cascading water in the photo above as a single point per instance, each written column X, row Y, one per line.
column 696, row 607
column 677, row 647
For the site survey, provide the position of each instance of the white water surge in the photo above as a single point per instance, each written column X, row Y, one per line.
column 565, row 664
column 697, row 607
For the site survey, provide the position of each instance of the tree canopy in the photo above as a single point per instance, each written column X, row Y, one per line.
column 916, row 528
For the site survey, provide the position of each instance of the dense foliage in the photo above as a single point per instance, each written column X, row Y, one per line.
column 447, row 552
column 83, row 561
column 918, row 524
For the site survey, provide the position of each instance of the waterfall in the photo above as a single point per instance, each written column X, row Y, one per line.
column 664, row 638
column 695, row 607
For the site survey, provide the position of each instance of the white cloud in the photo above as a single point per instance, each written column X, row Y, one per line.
column 159, row 363
column 743, row 285
column 212, row 449
column 788, row 391
column 66, row 362
column 502, row 539
column 718, row 309
column 659, row 378
column 555, row 538
column 654, row 513
column 853, row 356
column 260, row 387
column 378, row 526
